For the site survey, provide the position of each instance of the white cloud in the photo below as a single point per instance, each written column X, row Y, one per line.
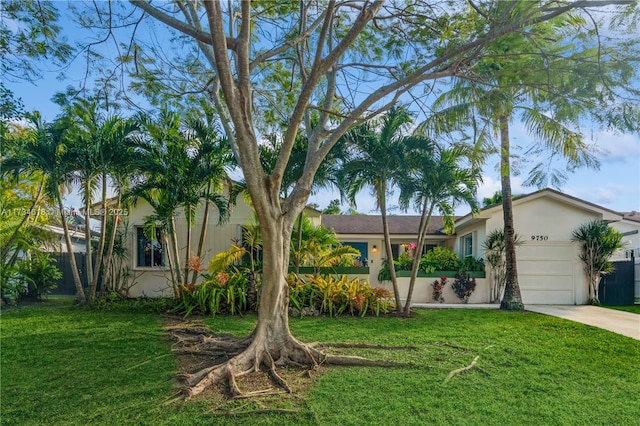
column 617, row 197
column 616, row 147
column 490, row 186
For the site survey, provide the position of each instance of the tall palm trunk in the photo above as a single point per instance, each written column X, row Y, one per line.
column 187, row 254
column 112, row 242
column 176, row 253
column 512, row 299
column 36, row 200
column 203, row 234
column 103, row 230
column 80, row 296
column 382, row 202
column 87, row 236
column 425, row 218
column 172, row 267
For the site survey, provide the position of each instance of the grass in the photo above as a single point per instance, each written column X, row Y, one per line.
column 631, row 308
column 66, row 365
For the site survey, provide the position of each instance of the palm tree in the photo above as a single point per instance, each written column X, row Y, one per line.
column 211, row 163
column 179, row 170
column 520, row 87
column 378, row 161
column 598, row 241
column 20, row 192
column 320, row 247
column 116, row 165
column 438, row 182
column 99, row 145
column 45, row 152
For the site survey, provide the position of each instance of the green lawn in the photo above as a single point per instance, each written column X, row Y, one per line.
column 631, row 308
column 66, row 365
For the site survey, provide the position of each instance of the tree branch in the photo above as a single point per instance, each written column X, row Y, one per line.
column 169, row 20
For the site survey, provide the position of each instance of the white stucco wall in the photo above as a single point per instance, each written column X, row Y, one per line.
column 155, row 281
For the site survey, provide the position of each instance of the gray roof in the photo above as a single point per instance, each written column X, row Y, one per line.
column 361, row 224
column 633, row 216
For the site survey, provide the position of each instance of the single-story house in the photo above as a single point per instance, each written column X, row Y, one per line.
column 549, row 270
column 548, row 266
column 148, row 265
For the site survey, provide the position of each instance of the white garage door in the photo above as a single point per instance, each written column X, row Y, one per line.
column 546, row 273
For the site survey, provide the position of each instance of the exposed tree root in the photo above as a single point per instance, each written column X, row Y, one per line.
column 460, row 370
column 347, row 360
column 234, row 358
column 361, row 346
column 261, row 411
column 264, row 392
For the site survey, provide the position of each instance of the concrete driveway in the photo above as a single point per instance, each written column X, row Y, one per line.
column 620, row 322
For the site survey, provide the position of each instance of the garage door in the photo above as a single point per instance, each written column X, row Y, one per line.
column 546, row 273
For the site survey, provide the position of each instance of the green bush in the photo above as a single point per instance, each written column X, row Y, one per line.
column 39, row 274
column 404, row 262
column 9, row 285
column 336, row 296
column 220, row 293
column 439, row 259
column 471, row 264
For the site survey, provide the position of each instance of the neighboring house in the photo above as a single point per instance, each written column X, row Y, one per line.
column 630, row 228
column 77, row 234
column 148, row 263
column 549, row 270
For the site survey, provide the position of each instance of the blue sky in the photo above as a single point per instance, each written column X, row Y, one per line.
column 615, row 186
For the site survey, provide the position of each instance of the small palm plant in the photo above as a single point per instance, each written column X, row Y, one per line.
column 494, row 249
column 598, row 243
column 320, row 247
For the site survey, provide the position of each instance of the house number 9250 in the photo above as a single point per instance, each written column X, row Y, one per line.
column 539, row 237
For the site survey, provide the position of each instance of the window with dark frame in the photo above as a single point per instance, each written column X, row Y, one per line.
column 150, row 248
column 467, row 245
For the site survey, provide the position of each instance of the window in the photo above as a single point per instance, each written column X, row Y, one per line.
column 363, row 248
column 466, row 245
column 150, row 251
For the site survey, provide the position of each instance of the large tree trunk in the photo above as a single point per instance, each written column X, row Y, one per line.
column 512, row 300
column 271, row 343
column 80, row 297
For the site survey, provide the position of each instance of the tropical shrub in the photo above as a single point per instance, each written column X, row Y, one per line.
column 598, row 241
column 336, row 296
column 9, row 284
column 221, row 292
column 463, row 287
column 494, row 250
column 439, row 259
column 404, row 262
column 471, row 264
column 438, row 289
column 39, row 274
column 384, row 274
column 319, row 247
